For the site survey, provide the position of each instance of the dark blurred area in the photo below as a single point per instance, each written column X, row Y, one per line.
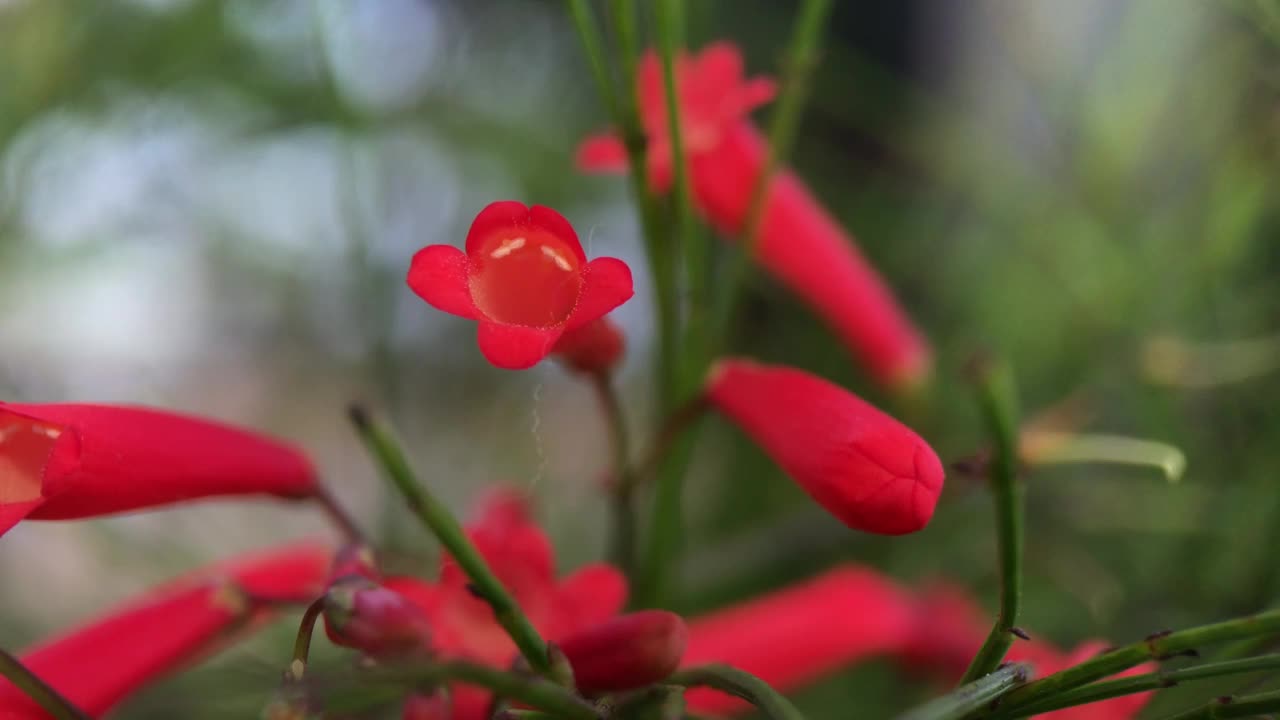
column 210, row 206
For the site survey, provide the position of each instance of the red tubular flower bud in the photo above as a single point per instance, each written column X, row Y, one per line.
column 592, row 349
column 799, row 634
column 100, row 663
column 74, row 461
column 866, row 468
column 375, row 620
column 799, row 242
column 524, row 278
column 626, row 652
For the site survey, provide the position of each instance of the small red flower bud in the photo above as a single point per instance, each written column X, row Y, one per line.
column 866, row 468
column 626, row 652
column 594, row 348
column 73, row 461
column 436, row 706
column 524, row 278
column 373, row 619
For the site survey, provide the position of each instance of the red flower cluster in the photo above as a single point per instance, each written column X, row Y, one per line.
column 799, row 242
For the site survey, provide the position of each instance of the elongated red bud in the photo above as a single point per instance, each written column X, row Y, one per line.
column 866, row 468
column 593, row 348
column 74, row 461
column 100, row 663
column 626, row 652
column 375, row 620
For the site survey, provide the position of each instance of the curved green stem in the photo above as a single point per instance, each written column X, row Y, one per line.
column 1096, row 692
column 998, row 397
column 742, row 684
column 302, row 643
column 58, row 707
column 974, row 696
column 440, row 522
column 1157, row 647
column 534, row 692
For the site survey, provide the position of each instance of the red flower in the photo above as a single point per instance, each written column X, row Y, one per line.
column 592, row 349
column 360, row 613
column 524, row 278
column 100, row 663
column 74, row 461
column 626, row 652
column 799, row 241
column 864, row 467
column 521, row 556
column 950, row 628
column 799, row 634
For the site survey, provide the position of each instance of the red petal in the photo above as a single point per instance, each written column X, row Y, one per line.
column 516, row 347
column 719, row 66
column 603, row 153
column 592, row 594
column 626, row 652
column 606, row 285
column 758, row 91
column 494, row 217
column 553, row 222
column 13, row 513
column 419, row 591
column 438, row 275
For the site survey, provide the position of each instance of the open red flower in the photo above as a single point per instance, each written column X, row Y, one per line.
column 799, row 242
column 802, row 633
column 866, row 468
column 74, row 460
column 524, row 278
column 950, row 627
column 521, row 556
column 99, row 664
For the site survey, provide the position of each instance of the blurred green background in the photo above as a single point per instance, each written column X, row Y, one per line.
column 211, row 206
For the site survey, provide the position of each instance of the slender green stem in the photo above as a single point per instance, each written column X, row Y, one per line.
column 302, row 643
column 666, row 526
column 1042, row 447
column 973, row 696
column 1234, row 707
column 58, row 707
column 340, row 517
column 739, row 684
column 440, row 522
column 801, row 58
column 676, row 424
column 593, row 45
column 1106, row 690
column 535, row 692
column 1159, row 647
column 624, row 479
column 999, row 400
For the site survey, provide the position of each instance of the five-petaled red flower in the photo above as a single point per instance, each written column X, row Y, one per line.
column 524, row 278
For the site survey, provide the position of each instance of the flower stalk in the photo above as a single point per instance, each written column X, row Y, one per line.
column 624, row 477
column 58, row 707
column 739, row 684
column 302, row 643
column 441, row 523
column 998, row 398
column 973, row 696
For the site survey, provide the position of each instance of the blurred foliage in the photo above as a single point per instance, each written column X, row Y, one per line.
column 1061, row 182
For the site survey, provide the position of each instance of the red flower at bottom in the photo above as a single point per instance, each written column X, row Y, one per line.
column 524, row 277
column 521, row 556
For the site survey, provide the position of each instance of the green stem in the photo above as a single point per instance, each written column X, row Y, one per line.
column 593, row 45
column 739, row 684
column 440, row 522
column 302, row 643
column 999, row 400
column 624, row 479
column 973, row 696
column 802, row 57
column 666, row 527
column 532, row 691
column 58, row 707
column 1234, row 707
column 1159, row 647
column 1106, row 690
